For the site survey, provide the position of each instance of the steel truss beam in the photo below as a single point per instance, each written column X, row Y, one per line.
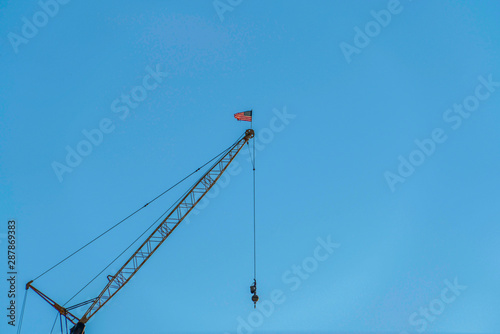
column 167, row 226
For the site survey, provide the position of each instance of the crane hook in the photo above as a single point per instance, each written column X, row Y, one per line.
column 253, row 290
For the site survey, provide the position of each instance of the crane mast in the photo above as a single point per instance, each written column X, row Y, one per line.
column 192, row 197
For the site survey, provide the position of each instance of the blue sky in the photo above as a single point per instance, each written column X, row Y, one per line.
column 377, row 132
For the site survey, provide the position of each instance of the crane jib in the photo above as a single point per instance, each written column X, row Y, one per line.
column 191, row 198
column 166, row 227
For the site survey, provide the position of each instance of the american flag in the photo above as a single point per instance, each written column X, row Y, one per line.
column 244, row 116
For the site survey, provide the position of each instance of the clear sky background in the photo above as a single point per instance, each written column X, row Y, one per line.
column 331, row 126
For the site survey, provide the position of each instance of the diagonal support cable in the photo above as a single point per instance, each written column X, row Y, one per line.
column 166, row 227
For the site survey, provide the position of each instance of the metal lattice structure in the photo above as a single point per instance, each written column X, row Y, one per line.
column 183, row 207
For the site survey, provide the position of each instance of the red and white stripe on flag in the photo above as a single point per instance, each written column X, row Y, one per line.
column 244, row 116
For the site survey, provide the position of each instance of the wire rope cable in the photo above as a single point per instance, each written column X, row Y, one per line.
column 154, row 223
column 21, row 316
column 132, row 214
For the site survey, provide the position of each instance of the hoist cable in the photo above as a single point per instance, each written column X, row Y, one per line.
column 254, row 219
column 254, row 208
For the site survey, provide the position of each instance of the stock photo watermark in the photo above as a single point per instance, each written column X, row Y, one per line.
column 121, row 107
column 426, row 315
column 263, row 137
column 363, row 36
column 31, row 26
column 11, row 262
column 293, row 279
column 223, row 6
column 454, row 118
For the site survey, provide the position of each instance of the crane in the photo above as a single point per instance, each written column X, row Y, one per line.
column 183, row 207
